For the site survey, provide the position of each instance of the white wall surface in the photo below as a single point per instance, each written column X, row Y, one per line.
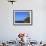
column 38, row 29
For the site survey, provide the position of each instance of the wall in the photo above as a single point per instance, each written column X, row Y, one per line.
column 38, row 29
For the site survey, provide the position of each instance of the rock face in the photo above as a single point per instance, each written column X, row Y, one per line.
column 27, row 20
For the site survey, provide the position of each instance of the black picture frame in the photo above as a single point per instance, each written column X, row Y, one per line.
column 22, row 23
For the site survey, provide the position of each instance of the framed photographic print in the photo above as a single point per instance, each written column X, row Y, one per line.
column 22, row 17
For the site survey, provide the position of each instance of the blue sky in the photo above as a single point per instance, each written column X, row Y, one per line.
column 21, row 15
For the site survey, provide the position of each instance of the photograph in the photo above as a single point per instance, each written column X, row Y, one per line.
column 22, row 16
